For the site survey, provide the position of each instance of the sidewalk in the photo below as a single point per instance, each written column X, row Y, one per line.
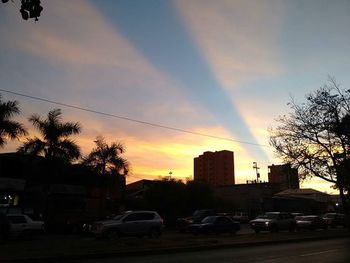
column 60, row 248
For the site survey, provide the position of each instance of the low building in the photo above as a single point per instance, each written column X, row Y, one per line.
column 307, row 201
column 248, row 198
column 62, row 191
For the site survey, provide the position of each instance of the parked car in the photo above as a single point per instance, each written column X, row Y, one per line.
column 215, row 224
column 5, row 228
column 131, row 223
column 273, row 222
column 241, row 217
column 310, row 222
column 23, row 225
column 335, row 219
column 182, row 224
column 295, row 214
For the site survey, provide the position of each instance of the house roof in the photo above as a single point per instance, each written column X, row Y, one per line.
column 12, row 184
column 305, row 193
column 302, row 191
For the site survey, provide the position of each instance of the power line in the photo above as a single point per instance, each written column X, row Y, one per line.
column 130, row 119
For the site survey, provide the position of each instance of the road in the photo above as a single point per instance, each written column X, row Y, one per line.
column 321, row 251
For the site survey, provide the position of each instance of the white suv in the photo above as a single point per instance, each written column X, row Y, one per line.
column 23, row 225
column 131, row 223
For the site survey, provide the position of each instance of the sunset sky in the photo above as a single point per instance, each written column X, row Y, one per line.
column 223, row 68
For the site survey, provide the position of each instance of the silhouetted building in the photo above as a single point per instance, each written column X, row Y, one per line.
column 284, row 175
column 215, row 168
column 60, row 193
column 307, row 201
column 248, row 198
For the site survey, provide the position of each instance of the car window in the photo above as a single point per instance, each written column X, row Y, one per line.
column 270, row 216
column 139, row 217
column 209, row 219
column 118, row 217
column 285, row 216
column 223, row 220
column 329, row 215
column 17, row 219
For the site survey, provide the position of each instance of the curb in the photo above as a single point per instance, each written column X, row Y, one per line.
column 173, row 250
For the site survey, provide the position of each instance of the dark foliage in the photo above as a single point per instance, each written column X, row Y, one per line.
column 9, row 129
column 29, row 9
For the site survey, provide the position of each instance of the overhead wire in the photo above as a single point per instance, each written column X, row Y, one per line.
column 157, row 125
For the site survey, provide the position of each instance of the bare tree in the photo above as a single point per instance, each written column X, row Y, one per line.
column 315, row 137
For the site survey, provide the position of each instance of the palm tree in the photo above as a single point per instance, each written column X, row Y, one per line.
column 9, row 129
column 55, row 143
column 105, row 159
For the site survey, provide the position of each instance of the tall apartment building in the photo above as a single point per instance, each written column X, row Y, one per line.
column 215, row 168
column 284, row 175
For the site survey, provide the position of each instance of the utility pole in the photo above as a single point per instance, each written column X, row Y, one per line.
column 255, row 166
column 170, row 173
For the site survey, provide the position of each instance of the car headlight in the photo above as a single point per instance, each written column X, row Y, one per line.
column 98, row 227
column 267, row 223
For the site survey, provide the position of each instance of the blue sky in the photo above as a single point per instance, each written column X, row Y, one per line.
column 225, row 68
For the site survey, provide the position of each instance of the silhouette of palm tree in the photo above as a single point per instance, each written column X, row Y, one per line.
column 105, row 159
column 9, row 129
column 55, row 142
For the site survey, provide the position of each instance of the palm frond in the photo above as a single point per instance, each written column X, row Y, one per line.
column 33, row 146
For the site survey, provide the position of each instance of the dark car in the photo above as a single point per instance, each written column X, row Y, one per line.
column 310, row 222
column 182, row 224
column 215, row 224
column 335, row 219
column 5, row 228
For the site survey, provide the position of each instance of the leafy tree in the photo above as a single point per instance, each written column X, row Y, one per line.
column 315, row 137
column 29, row 9
column 106, row 160
column 168, row 197
column 55, row 142
column 9, row 129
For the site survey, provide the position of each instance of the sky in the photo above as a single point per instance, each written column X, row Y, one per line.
column 224, row 68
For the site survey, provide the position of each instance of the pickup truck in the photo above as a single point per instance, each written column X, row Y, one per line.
column 23, row 225
column 273, row 222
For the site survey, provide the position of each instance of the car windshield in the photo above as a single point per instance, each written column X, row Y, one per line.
column 209, row 219
column 306, row 218
column 199, row 213
column 268, row 216
column 118, row 217
column 329, row 215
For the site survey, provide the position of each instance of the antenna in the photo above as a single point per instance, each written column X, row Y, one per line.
column 255, row 166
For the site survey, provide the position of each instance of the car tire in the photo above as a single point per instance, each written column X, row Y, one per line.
column 43, row 229
column 292, row 228
column 154, row 233
column 274, row 229
column 233, row 232
column 113, row 234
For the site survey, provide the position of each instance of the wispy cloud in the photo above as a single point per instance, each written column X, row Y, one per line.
column 238, row 38
column 240, row 41
column 89, row 64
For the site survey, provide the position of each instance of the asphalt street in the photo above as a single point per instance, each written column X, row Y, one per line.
column 322, row 251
